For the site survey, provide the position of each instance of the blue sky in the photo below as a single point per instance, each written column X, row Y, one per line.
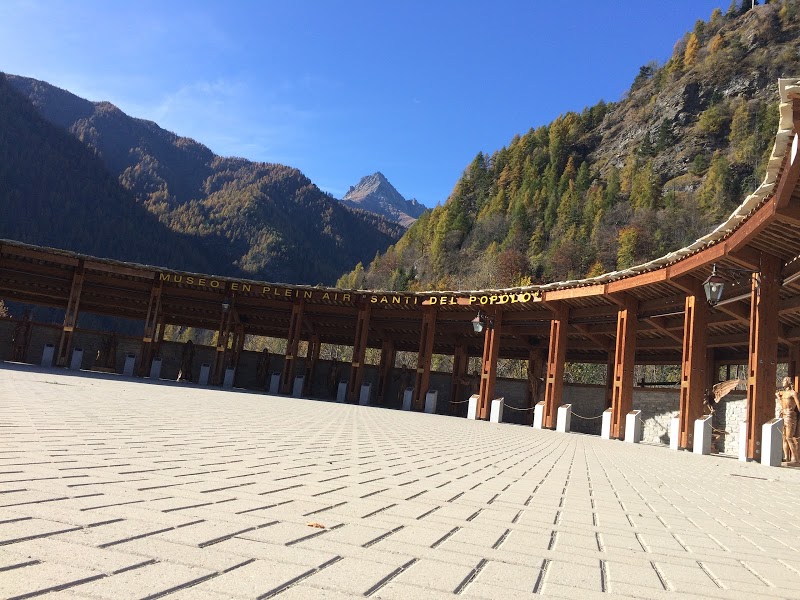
column 342, row 89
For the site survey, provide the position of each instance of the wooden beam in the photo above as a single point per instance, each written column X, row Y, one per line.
column 624, row 362
column 762, row 363
column 459, row 377
column 385, row 370
column 293, row 337
column 491, row 350
column 226, row 322
column 150, row 324
column 312, row 358
column 693, row 368
column 556, row 357
column 357, row 367
column 70, row 317
column 424, row 356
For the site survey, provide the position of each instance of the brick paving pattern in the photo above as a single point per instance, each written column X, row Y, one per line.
column 112, row 488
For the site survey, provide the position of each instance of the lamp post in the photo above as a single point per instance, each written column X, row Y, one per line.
column 481, row 322
column 714, row 286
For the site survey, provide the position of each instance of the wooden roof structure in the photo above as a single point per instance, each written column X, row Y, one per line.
column 655, row 313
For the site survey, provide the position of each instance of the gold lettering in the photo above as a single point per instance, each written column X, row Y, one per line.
column 395, row 299
column 165, row 276
column 214, row 283
column 234, row 286
column 345, row 297
column 288, row 293
column 384, row 300
column 177, row 278
column 373, row 299
column 326, row 296
column 453, row 300
column 190, row 280
column 202, row 281
column 245, row 287
column 483, row 300
column 472, row 299
column 503, row 299
column 433, row 300
column 265, row 290
column 524, row 297
column 307, row 294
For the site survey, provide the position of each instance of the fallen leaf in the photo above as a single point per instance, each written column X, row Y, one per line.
column 315, row 524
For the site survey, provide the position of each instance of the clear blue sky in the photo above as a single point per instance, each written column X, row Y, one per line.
column 341, row 89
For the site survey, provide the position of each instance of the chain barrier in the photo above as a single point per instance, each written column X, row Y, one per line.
column 574, row 414
column 507, row 405
column 460, row 402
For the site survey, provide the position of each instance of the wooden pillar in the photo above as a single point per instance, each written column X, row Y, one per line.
column 312, row 357
column 556, row 357
column 763, row 357
column 223, row 337
column 150, row 327
column 70, row 316
column 238, row 344
column 424, row 356
column 491, row 350
column 460, row 367
column 536, row 367
column 385, row 370
column 694, row 378
column 610, row 380
column 359, row 353
column 624, row 362
column 292, row 343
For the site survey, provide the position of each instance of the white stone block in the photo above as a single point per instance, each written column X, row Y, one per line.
column 47, row 355
column 341, row 392
column 772, row 443
column 605, row 426
column 155, row 368
column 702, row 435
column 130, row 365
column 743, row 441
column 674, row 433
column 633, row 427
column 431, row 399
column 275, row 383
column 77, row 359
column 227, row 381
column 472, row 407
column 564, row 418
column 205, row 373
column 408, row 396
column 538, row 415
column 297, row 389
column 364, row 395
column 496, row 410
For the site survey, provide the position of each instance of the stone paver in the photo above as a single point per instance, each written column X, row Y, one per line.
column 114, row 488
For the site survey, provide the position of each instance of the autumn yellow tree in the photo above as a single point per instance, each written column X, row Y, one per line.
column 692, row 49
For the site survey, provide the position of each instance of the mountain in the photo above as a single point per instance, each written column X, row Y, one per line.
column 55, row 191
column 618, row 183
column 266, row 221
column 375, row 194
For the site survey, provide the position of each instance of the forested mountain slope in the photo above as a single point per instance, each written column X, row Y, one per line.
column 619, row 183
column 267, row 221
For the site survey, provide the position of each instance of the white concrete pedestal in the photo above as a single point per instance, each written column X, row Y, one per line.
column 341, row 392
column 772, row 443
column 205, row 373
column 48, row 355
column 297, row 388
column 431, row 400
column 564, row 418
column 155, row 368
column 605, row 426
column 674, row 433
column 275, row 383
column 743, row 441
column 538, row 415
column 227, row 382
column 496, row 410
column 130, row 365
column 702, row 435
column 363, row 397
column 77, row 359
column 633, row 427
column 408, row 396
column 472, row 407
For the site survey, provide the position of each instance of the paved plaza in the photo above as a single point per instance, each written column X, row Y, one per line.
column 115, row 488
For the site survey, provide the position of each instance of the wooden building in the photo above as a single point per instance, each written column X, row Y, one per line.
column 655, row 313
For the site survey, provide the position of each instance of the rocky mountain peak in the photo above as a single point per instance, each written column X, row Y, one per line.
column 375, row 194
